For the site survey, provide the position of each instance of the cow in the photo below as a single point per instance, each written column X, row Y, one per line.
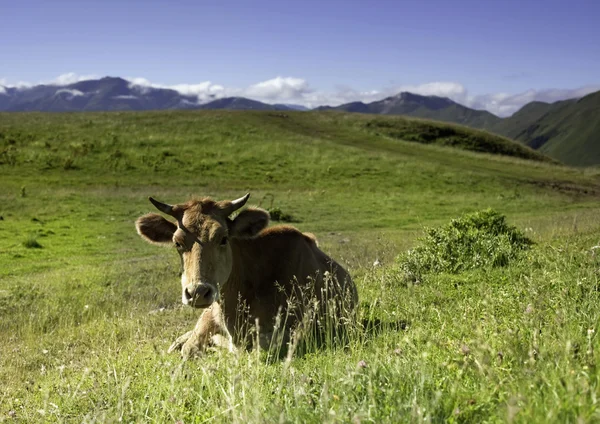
column 255, row 283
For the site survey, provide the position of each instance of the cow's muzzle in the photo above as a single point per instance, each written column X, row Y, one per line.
column 199, row 296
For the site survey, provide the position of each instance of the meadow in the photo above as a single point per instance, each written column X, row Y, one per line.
column 88, row 310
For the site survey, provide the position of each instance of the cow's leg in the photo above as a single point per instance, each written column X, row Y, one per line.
column 183, row 339
column 209, row 331
column 180, row 341
column 223, row 342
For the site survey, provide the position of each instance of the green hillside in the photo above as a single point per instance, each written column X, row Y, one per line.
column 426, row 107
column 568, row 131
column 453, row 113
column 517, row 125
column 434, row 132
column 472, row 324
column 572, row 132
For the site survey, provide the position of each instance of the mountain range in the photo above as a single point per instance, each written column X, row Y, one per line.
column 110, row 94
column 568, row 130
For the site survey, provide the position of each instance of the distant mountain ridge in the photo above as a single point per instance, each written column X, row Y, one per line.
column 427, row 107
column 112, row 94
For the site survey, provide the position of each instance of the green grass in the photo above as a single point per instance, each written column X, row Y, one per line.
column 87, row 319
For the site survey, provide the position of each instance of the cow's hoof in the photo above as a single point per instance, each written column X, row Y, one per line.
column 181, row 340
column 191, row 349
column 220, row 342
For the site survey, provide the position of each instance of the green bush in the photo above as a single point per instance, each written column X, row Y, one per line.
column 477, row 240
column 278, row 215
column 32, row 243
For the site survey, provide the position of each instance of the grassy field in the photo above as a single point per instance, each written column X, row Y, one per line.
column 88, row 310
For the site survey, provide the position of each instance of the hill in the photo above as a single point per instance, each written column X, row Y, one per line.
column 428, row 107
column 240, row 103
column 445, row 134
column 518, row 123
column 567, row 130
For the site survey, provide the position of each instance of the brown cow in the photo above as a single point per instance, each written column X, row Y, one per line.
column 256, row 283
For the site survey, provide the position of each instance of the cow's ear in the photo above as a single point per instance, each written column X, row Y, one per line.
column 249, row 223
column 155, row 229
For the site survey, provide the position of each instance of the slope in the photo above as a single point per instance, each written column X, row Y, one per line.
column 418, row 106
column 517, row 124
column 568, row 131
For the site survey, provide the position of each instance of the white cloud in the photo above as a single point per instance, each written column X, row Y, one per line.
column 70, row 92
column 204, row 91
column 341, row 95
column 452, row 90
column 125, row 97
column 64, row 79
column 278, row 89
column 22, row 84
column 70, row 78
column 2, row 89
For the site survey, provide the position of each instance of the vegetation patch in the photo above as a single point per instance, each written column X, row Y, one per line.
column 430, row 132
column 278, row 215
column 32, row 243
column 477, row 240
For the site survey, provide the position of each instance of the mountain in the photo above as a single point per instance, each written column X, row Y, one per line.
column 517, row 123
column 568, row 130
column 239, row 103
column 428, row 107
column 110, row 94
column 291, row 106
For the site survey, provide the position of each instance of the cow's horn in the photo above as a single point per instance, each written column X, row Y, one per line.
column 237, row 203
column 163, row 207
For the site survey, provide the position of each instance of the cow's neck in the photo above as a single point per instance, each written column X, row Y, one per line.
column 239, row 283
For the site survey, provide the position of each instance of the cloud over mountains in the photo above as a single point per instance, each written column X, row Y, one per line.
column 298, row 91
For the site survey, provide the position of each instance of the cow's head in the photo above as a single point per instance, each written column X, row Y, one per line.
column 202, row 235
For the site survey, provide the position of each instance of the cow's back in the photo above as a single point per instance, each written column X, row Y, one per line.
column 283, row 267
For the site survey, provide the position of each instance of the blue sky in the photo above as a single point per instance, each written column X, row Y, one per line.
column 487, row 54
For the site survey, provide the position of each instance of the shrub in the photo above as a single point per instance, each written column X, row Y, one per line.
column 32, row 243
column 477, row 240
column 278, row 215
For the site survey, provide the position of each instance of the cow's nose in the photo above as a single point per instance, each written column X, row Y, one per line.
column 204, row 293
column 200, row 296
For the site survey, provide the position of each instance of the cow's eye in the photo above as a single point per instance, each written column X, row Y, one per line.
column 178, row 245
column 224, row 241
